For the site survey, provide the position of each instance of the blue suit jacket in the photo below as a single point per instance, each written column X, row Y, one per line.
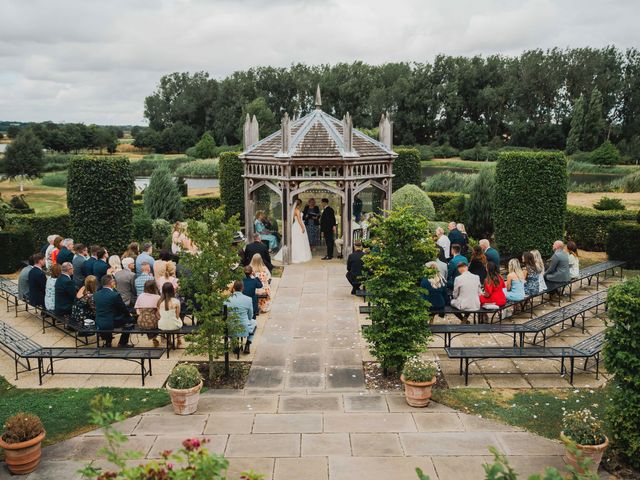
column 100, row 268
column 37, row 286
column 87, row 267
column 110, row 309
column 65, row 295
column 241, row 309
column 250, row 287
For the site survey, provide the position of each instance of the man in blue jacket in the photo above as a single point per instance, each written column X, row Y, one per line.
column 65, row 291
column 100, row 267
column 87, row 267
column 111, row 312
column 452, row 267
column 240, row 309
column 250, row 285
column 37, row 281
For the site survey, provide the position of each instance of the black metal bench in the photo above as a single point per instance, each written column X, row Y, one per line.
column 449, row 332
column 16, row 344
column 9, row 292
column 586, row 349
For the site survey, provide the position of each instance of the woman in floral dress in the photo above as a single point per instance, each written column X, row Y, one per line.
column 263, row 273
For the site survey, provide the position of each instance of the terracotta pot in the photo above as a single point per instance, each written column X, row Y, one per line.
column 23, row 457
column 185, row 401
column 594, row 452
column 417, row 394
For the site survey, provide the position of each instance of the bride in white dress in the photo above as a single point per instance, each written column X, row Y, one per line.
column 300, row 249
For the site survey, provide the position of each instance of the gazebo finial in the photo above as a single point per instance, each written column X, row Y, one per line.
column 318, row 97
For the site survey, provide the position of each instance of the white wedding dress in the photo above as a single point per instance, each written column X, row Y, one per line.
column 300, row 249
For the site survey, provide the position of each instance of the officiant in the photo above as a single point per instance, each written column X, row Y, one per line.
column 311, row 219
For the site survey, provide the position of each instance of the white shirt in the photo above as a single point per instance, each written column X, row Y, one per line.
column 445, row 243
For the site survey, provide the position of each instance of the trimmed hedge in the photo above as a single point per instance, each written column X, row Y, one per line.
column 406, row 168
column 194, row 207
column 530, row 201
column 589, row 227
column 415, row 199
column 16, row 247
column 440, row 199
column 232, row 184
column 40, row 226
column 623, row 243
column 100, row 198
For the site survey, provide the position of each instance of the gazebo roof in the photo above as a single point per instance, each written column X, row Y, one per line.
column 318, row 135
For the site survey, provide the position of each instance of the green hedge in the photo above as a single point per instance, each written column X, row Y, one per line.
column 623, row 243
column 232, row 184
column 16, row 247
column 440, row 199
column 589, row 227
column 406, row 168
column 100, row 198
column 41, row 226
column 194, row 207
column 530, row 201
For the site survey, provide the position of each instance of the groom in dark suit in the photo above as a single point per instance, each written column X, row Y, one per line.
column 328, row 227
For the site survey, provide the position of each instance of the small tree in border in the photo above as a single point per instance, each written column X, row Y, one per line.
column 211, row 271
column 24, row 157
column 479, row 206
column 162, row 197
column 400, row 248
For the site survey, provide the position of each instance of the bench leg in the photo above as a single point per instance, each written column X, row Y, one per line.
column 40, row 368
column 573, row 360
column 597, row 365
column 142, row 372
column 15, row 359
column 562, row 368
column 461, row 366
column 466, row 371
column 150, row 370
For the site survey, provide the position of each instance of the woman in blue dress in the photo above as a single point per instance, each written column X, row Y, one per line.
column 515, row 282
column 532, row 283
column 265, row 234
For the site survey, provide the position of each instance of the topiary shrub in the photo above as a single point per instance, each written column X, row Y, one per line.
column 416, row 199
column 161, row 197
column 205, row 148
column 623, row 243
column 194, row 207
column 454, row 210
column 142, row 226
column 100, row 198
column 479, row 207
column 406, row 168
column 530, row 200
column 622, row 360
column 605, row 154
column 232, row 184
column 17, row 245
column 448, row 181
column 608, row 203
column 589, row 228
column 160, row 231
column 440, row 199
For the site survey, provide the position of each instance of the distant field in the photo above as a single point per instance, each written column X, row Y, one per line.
column 42, row 199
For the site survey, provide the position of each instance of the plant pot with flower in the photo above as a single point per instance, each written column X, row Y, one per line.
column 184, row 385
column 21, row 441
column 418, row 377
column 584, row 438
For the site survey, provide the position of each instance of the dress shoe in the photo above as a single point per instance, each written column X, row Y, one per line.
column 125, row 345
column 247, row 348
column 327, row 258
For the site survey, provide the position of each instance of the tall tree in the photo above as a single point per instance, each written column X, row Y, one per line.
column 594, row 124
column 162, row 197
column 206, row 146
column 574, row 140
column 24, row 157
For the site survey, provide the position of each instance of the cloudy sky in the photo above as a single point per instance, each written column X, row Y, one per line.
column 95, row 60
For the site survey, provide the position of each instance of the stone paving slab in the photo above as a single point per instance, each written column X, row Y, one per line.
column 325, row 444
column 369, row 422
column 376, row 445
column 264, row 445
column 379, row 468
column 288, row 423
column 311, row 468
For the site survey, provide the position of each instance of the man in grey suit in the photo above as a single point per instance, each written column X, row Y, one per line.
column 558, row 270
column 126, row 282
column 241, row 307
column 466, row 291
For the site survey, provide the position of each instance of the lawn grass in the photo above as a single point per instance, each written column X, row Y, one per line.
column 65, row 411
column 456, row 162
column 537, row 410
column 39, row 197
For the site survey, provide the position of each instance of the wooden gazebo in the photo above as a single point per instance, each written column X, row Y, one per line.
column 315, row 153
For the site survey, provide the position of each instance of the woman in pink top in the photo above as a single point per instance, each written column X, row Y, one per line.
column 147, row 309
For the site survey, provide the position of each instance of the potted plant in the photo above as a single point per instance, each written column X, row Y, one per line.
column 418, row 377
column 21, row 441
column 583, row 432
column 184, row 385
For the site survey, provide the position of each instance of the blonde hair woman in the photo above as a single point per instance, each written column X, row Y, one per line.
column 115, row 265
column 168, row 276
column 262, row 272
column 515, row 282
column 177, row 237
column 540, row 268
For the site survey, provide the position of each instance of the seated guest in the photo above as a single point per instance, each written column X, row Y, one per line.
column 37, row 281
column 455, row 236
column 494, row 287
column 464, row 246
column 441, row 264
column 540, row 269
column 478, row 263
column 57, row 245
column 147, row 309
column 251, row 285
column 453, row 264
column 169, row 309
column 144, row 277
column 145, row 256
column 240, row 308
column 355, row 265
column 531, row 275
column 132, row 251
column 23, row 281
column 160, row 265
column 111, row 312
column 238, row 246
column 65, row 290
column 490, row 252
column 66, row 251
column 515, row 282
column 87, row 267
column 443, row 241
column 49, row 251
column 466, row 291
column 558, row 271
column 257, row 247
column 115, row 264
column 78, row 262
column 436, row 289
column 101, row 267
column 126, row 282
column 168, row 276
column 264, row 275
column 84, row 307
column 574, row 261
column 50, row 288
column 265, row 234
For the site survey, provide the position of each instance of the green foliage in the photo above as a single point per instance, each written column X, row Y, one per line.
column 17, row 245
column 530, row 201
column 266, row 119
column 211, row 272
column 454, row 210
column 406, row 168
column 583, row 427
column 605, row 154
column 479, row 207
column 142, row 226
column 440, row 199
column 417, row 370
column 199, row 169
column 594, row 124
column 194, row 207
column 449, row 181
column 608, row 203
column 176, row 138
column 589, row 228
column 22, row 427
column 58, row 179
column 24, row 156
column 479, row 154
column 100, row 199
column 623, row 243
column 416, row 200
column 41, row 225
column 232, row 184
column 160, row 232
column 206, row 147
column 630, row 183
column 161, row 197
column 147, row 164
column 622, row 360
column 574, row 140
column 444, row 151
column 400, row 248
column 183, row 376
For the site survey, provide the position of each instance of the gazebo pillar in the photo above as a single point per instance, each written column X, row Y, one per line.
column 248, row 220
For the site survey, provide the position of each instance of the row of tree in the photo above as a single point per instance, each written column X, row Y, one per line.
column 527, row 100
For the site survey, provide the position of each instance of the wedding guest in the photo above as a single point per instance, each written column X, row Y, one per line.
column 111, row 312
column 328, row 226
column 265, row 234
column 144, row 277
column 168, row 276
column 66, row 251
column 126, row 282
column 178, row 238
column 101, row 266
column 436, row 289
column 531, row 275
column 257, row 247
column 558, row 271
column 160, row 265
column 50, row 288
column 444, row 243
column 540, row 269
column 455, row 235
column 464, row 246
column 56, row 249
column 65, row 290
column 311, row 219
column 443, row 268
column 49, row 251
column 355, row 265
column 251, row 285
column 78, row 262
column 145, row 256
column 87, row 267
column 453, row 271
column 466, row 291
column 490, row 252
column 242, row 306
column 494, row 287
column 84, row 306
column 115, row 264
column 574, row 260
column 147, row 309
column 515, row 282
column 169, row 309
column 132, row 251
column 37, row 281
column 23, row 280
column 478, row 263
column 264, row 275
